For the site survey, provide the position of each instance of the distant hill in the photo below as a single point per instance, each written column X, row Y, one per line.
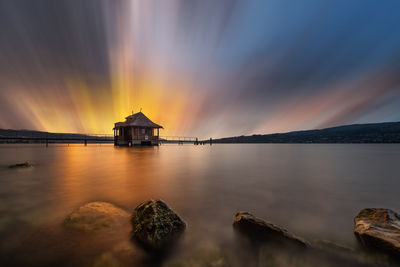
column 387, row 132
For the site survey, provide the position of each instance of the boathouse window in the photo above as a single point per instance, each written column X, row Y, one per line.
column 143, row 131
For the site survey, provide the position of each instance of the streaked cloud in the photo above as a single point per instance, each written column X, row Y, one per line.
column 199, row 68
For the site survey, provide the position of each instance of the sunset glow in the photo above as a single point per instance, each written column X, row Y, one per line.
column 206, row 70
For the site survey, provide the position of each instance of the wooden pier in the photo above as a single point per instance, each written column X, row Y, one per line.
column 55, row 139
column 37, row 137
column 91, row 139
column 178, row 140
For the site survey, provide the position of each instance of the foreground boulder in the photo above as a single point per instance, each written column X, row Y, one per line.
column 96, row 216
column 260, row 231
column 155, row 225
column 25, row 164
column 378, row 228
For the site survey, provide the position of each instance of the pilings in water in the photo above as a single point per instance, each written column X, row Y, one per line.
column 204, row 142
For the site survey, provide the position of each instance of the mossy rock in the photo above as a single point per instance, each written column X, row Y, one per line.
column 155, row 225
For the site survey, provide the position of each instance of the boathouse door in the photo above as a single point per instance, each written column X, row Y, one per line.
column 127, row 134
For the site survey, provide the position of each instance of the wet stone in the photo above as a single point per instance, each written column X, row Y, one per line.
column 379, row 228
column 261, row 231
column 155, row 226
column 96, row 216
column 25, row 164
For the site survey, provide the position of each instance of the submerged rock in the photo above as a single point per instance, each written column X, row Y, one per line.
column 155, row 225
column 329, row 246
column 25, row 164
column 96, row 216
column 206, row 254
column 106, row 260
column 378, row 228
column 260, row 231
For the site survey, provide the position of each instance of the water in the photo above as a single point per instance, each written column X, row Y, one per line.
column 313, row 191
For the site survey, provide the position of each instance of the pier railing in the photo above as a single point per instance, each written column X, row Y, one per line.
column 48, row 138
column 178, row 139
column 56, row 138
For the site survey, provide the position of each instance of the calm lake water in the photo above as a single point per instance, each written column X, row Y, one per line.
column 314, row 191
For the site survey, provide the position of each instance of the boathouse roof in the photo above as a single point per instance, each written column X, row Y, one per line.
column 138, row 120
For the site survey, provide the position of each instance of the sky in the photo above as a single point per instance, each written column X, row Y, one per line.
column 198, row 68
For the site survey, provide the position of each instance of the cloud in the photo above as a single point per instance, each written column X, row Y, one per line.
column 200, row 68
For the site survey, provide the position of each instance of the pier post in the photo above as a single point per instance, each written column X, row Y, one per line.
column 210, row 141
column 85, row 142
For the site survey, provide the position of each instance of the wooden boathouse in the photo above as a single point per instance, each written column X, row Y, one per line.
column 137, row 129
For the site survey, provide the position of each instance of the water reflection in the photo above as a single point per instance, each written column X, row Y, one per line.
column 313, row 190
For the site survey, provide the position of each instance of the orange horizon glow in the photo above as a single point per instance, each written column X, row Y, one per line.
column 196, row 70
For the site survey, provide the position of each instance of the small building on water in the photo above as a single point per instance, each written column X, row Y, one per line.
column 137, row 129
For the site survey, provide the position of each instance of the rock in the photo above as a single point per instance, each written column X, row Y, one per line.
column 96, row 216
column 25, row 164
column 260, row 231
column 155, row 225
column 378, row 228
